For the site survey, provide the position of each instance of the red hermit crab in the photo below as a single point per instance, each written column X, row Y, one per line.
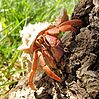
column 45, row 45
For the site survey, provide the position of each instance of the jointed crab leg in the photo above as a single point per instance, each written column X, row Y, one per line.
column 49, row 59
column 46, row 68
column 74, row 22
column 65, row 26
column 33, row 70
column 68, row 25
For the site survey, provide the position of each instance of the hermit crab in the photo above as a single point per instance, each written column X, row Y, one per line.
column 42, row 41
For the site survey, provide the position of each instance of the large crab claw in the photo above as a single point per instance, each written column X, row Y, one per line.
column 56, row 47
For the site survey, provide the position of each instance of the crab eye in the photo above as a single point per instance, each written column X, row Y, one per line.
column 38, row 40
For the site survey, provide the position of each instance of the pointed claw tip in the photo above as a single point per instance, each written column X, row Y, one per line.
column 32, row 86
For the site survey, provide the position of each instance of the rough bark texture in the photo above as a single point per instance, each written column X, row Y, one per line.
column 79, row 67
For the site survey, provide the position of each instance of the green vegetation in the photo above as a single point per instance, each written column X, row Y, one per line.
column 14, row 14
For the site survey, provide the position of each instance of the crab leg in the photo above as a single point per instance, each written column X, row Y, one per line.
column 65, row 26
column 33, row 70
column 68, row 25
column 46, row 68
column 74, row 22
column 49, row 59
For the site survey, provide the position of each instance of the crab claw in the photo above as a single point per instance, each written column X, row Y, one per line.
column 56, row 47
